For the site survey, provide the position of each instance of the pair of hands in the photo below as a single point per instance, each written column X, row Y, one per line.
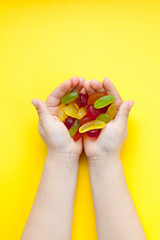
column 56, row 135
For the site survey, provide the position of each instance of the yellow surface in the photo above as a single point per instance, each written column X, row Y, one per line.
column 43, row 43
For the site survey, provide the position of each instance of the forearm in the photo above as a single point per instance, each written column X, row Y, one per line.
column 116, row 216
column 52, row 211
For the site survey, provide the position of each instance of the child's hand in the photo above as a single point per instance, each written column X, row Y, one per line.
column 51, row 129
column 114, row 134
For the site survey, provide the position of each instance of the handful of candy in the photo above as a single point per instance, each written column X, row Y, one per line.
column 86, row 114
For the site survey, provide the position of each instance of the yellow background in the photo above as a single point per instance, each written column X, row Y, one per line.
column 43, row 43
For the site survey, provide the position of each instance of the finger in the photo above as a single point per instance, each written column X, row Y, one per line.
column 54, row 110
column 83, row 91
column 111, row 90
column 54, row 98
column 79, row 88
column 75, row 81
column 97, row 85
column 42, row 110
column 123, row 113
column 80, row 85
column 88, row 88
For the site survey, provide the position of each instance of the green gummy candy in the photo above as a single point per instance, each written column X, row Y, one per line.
column 104, row 117
column 70, row 97
column 74, row 128
column 104, row 101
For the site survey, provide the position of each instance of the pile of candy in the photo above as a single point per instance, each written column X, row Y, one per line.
column 86, row 114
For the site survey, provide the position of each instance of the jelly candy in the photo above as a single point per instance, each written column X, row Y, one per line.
column 81, row 113
column 74, row 128
column 104, row 101
column 94, row 133
column 94, row 97
column 92, row 112
column 94, row 124
column 104, row 110
column 72, row 110
column 84, row 120
column 81, row 101
column 104, row 117
column 112, row 111
column 69, row 122
column 69, row 98
column 62, row 115
column 77, row 136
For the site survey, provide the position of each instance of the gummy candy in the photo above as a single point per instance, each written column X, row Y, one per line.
column 81, row 113
column 72, row 110
column 104, row 109
column 81, row 101
column 112, row 111
column 94, row 97
column 77, row 136
column 94, row 124
column 74, row 128
column 69, row 98
column 104, row 117
column 69, row 122
column 92, row 112
column 62, row 115
column 84, row 120
column 104, row 101
column 94, row 133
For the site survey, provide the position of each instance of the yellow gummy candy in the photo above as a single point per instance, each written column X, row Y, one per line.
column 62, row 115
column 95, row 124
column 112, row 111
column 72, row 110
column 82, row 112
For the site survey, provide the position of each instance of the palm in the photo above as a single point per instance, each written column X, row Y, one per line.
column 109, row 137
column 106, row 142
column 63, row 139
column 58, row 134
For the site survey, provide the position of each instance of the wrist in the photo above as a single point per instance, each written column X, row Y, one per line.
column 104, row 159
column 61, row 158
column 63, row 167
column 104, row 167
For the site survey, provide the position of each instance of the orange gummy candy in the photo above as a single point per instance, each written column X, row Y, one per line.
column 95, row 96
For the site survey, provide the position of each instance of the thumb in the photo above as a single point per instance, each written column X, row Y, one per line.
column 42, row 109
column 123, row 113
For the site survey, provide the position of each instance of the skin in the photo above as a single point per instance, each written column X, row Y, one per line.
column 52, row 210
column 49, row 123
column 116, row 216
column 115, row 131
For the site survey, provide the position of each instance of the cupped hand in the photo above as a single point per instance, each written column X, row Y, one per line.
column 112, row 137
column 51, row 129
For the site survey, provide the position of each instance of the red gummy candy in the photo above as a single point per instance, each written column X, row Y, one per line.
column 92, row 112
column 94, row 133
column 104, row 109
column 85, row 119
column 82, row 100
column 69, row 122
column 77, row 136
